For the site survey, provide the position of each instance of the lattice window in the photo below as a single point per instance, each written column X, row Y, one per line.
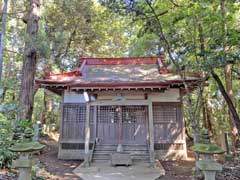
column 74, row 112
column 131, row 114
column 165, row 113
column 108, row 114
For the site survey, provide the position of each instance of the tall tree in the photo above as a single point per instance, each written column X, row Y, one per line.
column 180, row 22
column 228, row 72
column 2, row 44
column 30, row 60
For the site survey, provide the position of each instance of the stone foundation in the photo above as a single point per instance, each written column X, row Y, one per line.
column 71, row 154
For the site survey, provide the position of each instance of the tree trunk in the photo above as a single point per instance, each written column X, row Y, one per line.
column 44, row 112
column 229, row 89
column 188, row 135
column 228, row 100
column 208, row 117
column 228, row 73
column 218, row 133
column 204, row 114
column 30, row 59
column 2, row 44
column 50, row 105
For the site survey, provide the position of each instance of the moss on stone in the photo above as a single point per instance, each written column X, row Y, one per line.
column 27, row 147
column 207, row 149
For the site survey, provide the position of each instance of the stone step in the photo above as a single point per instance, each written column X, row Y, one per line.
column 101, row 158
column 131, row 152
column 138, row 152
column 106, row 156
column 125, row 148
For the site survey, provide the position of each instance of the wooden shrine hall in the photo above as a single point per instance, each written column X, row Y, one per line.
column 130, row 105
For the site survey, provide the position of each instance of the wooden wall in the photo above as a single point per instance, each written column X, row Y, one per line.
column 73, row 122
column 170, row 95
column 168, row 123
column 167, row 118
column 71, row 97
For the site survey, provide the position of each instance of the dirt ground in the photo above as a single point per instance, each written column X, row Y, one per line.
column 177, row 170
column 62, row 170
column 57, row 169
column 53, row 169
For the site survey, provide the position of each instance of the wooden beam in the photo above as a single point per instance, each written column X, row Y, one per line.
column 134, row 91
column 87, row 135
column 151, row 133
column 119, row 103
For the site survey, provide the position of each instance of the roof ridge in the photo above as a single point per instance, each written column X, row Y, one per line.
column 120, row 61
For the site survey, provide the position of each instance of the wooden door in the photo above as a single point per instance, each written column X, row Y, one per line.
column 107, row 131
column 133, row 128
column 134, row 122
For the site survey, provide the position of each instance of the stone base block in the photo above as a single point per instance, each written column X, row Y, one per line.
column 121, row 158
column 68, row 154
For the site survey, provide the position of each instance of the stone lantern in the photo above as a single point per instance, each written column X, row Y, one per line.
column 25, row 149
column 206, row 150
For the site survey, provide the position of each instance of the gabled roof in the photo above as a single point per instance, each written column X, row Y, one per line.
column 117, row 73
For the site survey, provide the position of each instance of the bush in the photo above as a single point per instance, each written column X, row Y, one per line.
column 6, row 134
column 10, row 132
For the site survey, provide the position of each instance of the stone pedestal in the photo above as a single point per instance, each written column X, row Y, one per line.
column 25, row 148
column 207, row 165
column 209, row 168
column 121, row 158
column 24, row 164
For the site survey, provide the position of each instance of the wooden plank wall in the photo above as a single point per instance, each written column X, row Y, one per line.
column 73, row 122
column 168, row 124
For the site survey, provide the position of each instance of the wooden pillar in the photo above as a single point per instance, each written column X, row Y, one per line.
column 181, row 109
column 95, row 121
column 61, row 127
column 87, row 135
column 151, row 134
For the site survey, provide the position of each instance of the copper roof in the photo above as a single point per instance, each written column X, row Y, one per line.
column 117, row 73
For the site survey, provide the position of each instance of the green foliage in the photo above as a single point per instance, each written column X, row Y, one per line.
column 24, row 124
column 147, row 45
column 6, row 134
column 185, row 24
column 8, row 129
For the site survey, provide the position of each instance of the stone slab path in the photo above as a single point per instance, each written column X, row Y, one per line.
column 104, row 171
